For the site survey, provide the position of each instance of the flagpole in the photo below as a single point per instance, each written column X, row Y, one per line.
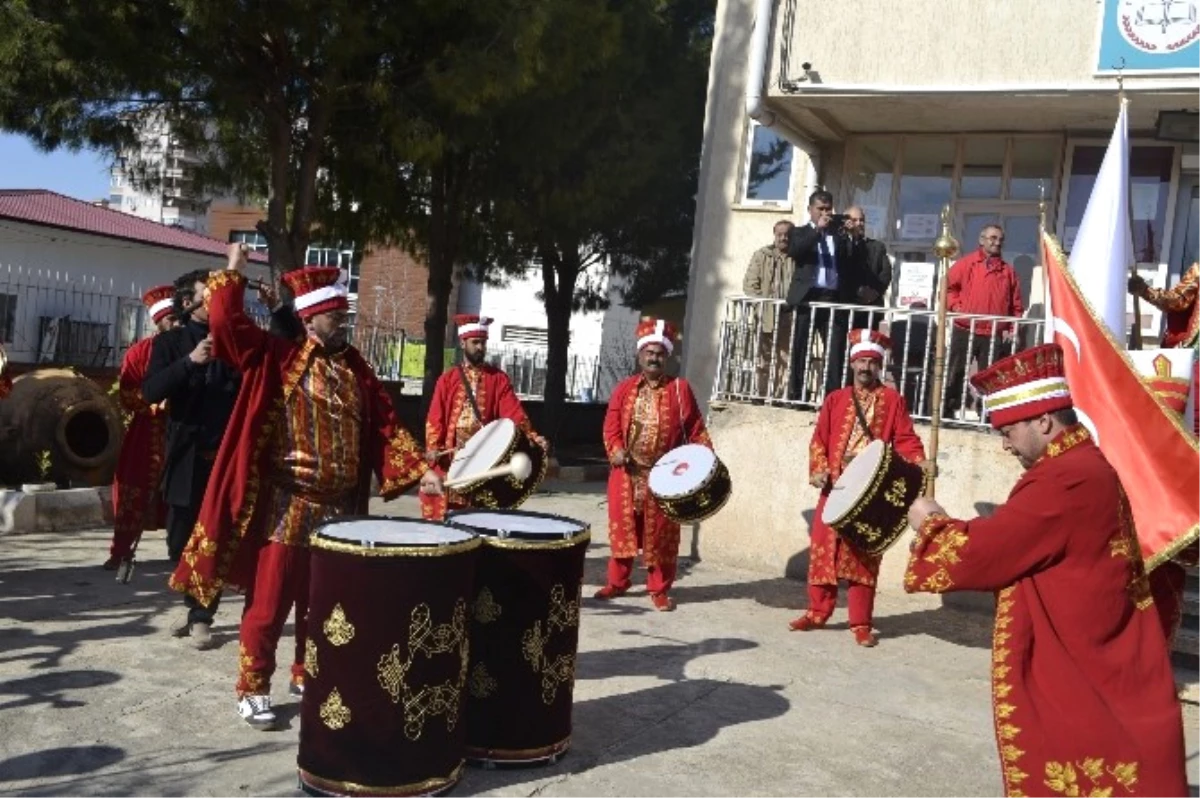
column 1135, row 332
column 945, row 247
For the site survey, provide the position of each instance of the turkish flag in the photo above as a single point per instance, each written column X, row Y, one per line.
column 1157, row 460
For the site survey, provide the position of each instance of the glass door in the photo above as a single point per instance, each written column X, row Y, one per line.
column 1020, row 223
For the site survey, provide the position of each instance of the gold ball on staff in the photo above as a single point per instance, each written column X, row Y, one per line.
column 946, row 246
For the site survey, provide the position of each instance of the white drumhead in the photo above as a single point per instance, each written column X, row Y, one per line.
column 392, row 532
column 853, row 482
column 520, row 523
column 483, row 450
column 681, row 470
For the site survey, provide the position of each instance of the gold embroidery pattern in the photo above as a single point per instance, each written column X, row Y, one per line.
column 1002, row 710
column 434, row 699
column 1124, row 544
column 563, row 614
column 333, row 712
column 945, row 540
column 486, row 609
column 310, row 657
column 482, row 684
column 895, row 494
column 1064, row 779
column 337, row 627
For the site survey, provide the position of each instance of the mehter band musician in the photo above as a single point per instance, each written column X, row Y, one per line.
column 311, row 424
column 850, row 418
column 648, row 415
column 137, row 504
column 465, row 398
column 1084, row 695
column 1179, row 304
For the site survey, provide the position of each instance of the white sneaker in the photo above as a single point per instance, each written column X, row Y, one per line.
column 256, row 711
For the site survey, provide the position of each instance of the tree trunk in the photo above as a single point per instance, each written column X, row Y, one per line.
column 441, row 258
column 560, row 269
column 275, row 227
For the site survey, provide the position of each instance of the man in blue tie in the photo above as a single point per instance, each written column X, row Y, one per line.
column 824, row 273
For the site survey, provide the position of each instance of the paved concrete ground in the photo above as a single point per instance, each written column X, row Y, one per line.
column 714, row 699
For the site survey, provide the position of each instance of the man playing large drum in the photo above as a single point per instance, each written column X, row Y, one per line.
column 648, row 415
column 465, row 398
column 850, row 418
column 311, row 424
column 1083, row 691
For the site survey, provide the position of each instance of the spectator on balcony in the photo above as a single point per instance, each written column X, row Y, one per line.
column 981, row 283
column 872, row 265
column 825, row 272
column 769, row 276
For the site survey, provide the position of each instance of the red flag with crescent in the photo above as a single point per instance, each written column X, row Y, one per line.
column 1157, row 460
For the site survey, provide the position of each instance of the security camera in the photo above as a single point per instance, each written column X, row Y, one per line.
column 806, row 66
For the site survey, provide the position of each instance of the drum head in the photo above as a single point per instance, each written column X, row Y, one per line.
column 526, row 526
column 853, row 482
column 485, row 449
column 379, row 532
column 681, row 470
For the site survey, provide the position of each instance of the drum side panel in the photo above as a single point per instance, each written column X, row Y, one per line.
column 524, row 642
column 386, row 664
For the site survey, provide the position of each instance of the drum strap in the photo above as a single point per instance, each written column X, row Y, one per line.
column 862, row 417
column 470, row 394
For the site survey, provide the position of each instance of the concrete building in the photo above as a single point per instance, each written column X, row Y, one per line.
column 154, row 181
column 901, row 107
column 72, row 275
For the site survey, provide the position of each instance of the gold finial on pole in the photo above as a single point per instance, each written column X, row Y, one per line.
column 1042, row 205
column 945, row 247
column 1120, row 69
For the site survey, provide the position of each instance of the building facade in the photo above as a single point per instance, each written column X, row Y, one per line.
column 154, row 181
column 903, row 107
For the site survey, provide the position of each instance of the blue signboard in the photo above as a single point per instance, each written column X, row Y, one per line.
column 1150, row 35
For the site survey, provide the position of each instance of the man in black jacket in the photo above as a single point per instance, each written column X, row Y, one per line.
column 872, row 266
column 825, row 272
column 200, row 392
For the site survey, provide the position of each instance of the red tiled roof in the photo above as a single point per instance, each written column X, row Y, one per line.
column 50, row 209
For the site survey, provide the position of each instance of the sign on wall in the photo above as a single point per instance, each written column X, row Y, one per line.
column 1150, row 35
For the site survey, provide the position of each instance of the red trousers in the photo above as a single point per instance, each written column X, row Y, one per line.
column 822, row 599
column 1166, row 586
column 659, row 578
column 281, row 580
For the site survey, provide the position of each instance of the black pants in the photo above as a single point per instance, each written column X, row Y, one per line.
column 833, row 327
column 966, row 346
column 180, row 521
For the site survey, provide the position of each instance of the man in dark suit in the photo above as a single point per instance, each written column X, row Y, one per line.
column 200, row 392
column 872, row 266
column 825, row 272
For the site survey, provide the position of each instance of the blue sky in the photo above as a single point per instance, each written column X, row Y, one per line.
column 83, row 174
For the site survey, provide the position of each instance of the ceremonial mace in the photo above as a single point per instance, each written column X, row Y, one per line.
column 945, row 247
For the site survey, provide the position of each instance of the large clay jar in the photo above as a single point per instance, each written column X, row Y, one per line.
column 63, row 413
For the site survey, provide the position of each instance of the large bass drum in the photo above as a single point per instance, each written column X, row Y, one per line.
column 490, row 447
column 524, row 634
column 386, row 657
column 868, row 505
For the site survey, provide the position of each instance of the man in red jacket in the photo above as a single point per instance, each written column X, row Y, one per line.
column 1082, row 688
column 850, row 418
column 465, row 398
column 985, row 284
column 137, row 504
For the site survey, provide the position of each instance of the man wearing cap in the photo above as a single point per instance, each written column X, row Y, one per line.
column 465, row 398
column 1182, row 312
column 649, row 414
column 850, row 418
column 1083, row 691
column 137, row 505
column 311, row 425
column 1169, row 578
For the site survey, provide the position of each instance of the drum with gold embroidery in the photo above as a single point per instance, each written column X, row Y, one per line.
column 524, row 634
column 868, row 505
column 493, row 446
column 690, row 483
column 386, row 657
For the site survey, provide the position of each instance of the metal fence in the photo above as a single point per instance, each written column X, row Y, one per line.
column 755, row 360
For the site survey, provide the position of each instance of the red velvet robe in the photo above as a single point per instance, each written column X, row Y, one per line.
column 232, row 525
column 136, row 497
column 680, row 422
column 836, row 435
column 495, row 398
column 1082, row 687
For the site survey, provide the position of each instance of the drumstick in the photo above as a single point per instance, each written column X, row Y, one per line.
column 520, row 466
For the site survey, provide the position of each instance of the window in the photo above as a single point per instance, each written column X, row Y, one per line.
column 8, row 316
column 342, row 256
column 925, row 184
column 251, row 238
column 983, row 167
column 1150, row 184
column 768, row 179
column 527, row 336
column 1034, row 162
column 871, row 182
